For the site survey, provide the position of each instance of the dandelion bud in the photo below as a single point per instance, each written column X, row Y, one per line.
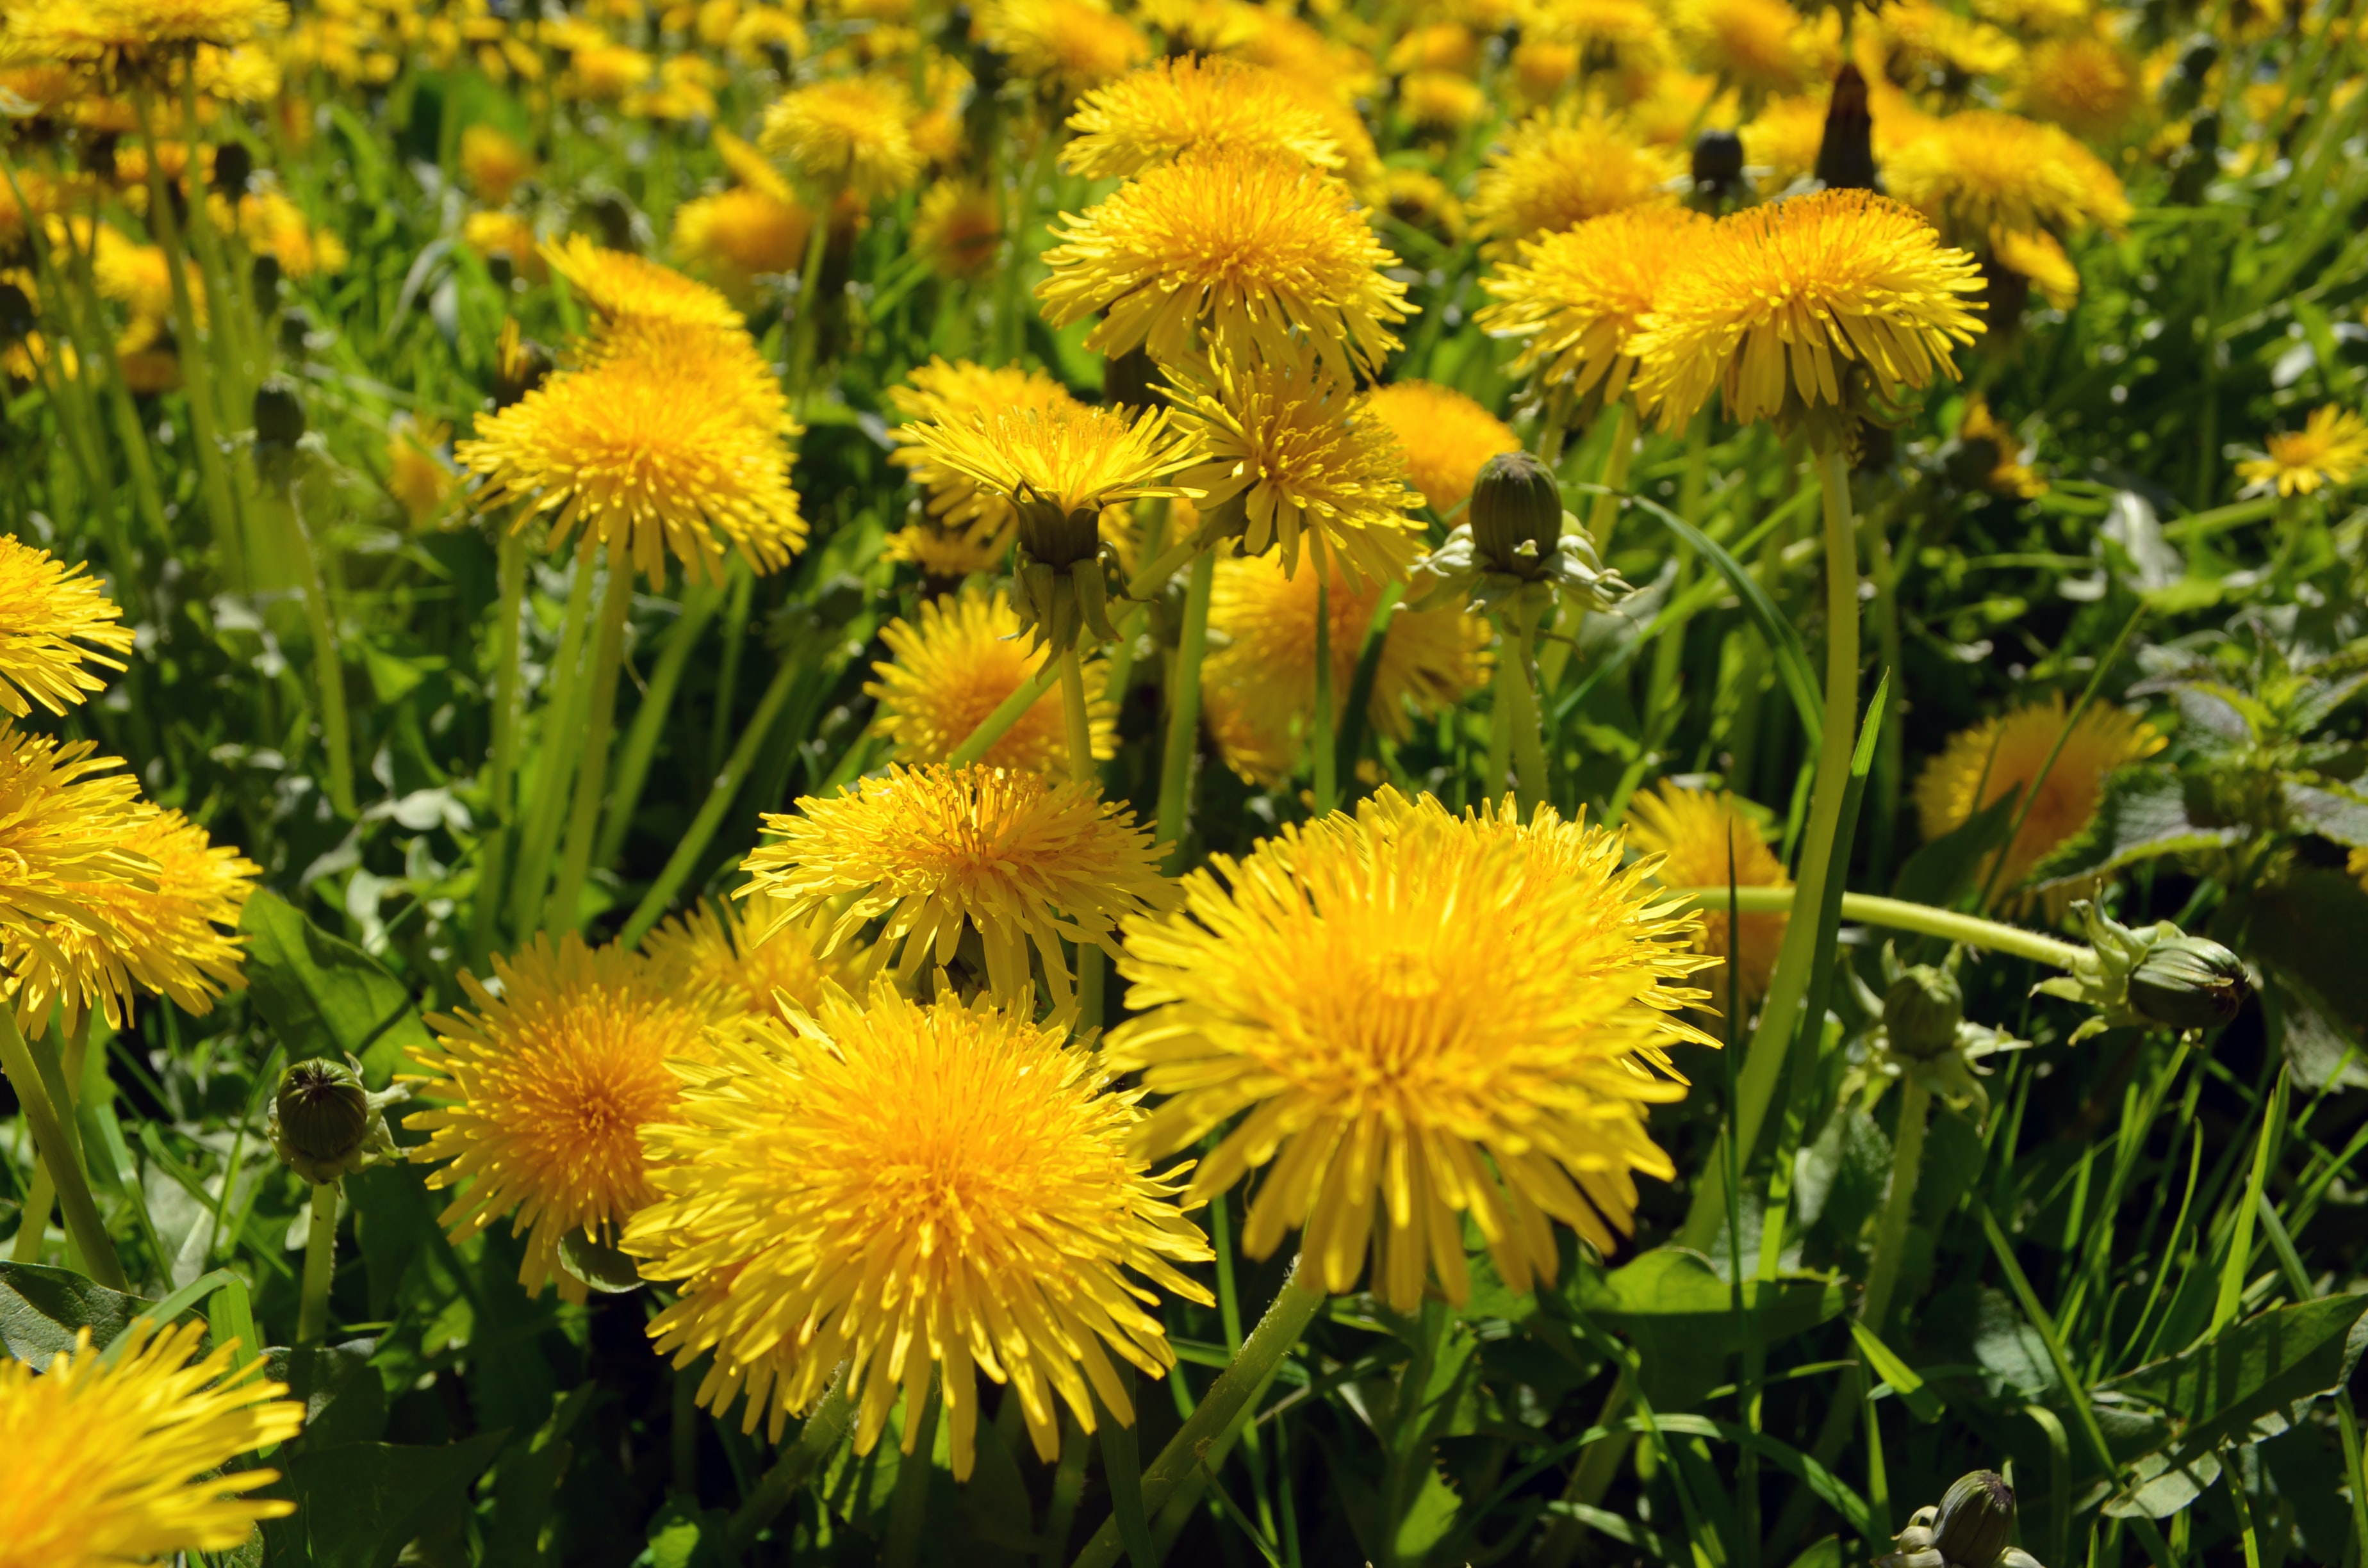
column 2189, row 983
column 1718, row 163
column 233, row 165
column 1846, row 157
column 324, row 1121
column 1516, row 513
column 1976, row 1519
column 1921, row 1012
column 278, row 416
column 1054, row 535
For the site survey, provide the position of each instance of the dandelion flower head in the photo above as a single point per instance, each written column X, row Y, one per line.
column 1921, row 41
column 1690, row 831
column 1982, row 170
column 742, row 233
column 960, row 393
column 913, row 1187
column 1625, row 35
column 1445, row 434
column 55, row 621
column 1156, row 115
column 955, row 663
column 2002, row 756
column 119, row 1458
column 709, row 955
column 617, row 284
column 2331, row 447
column 1076, row 458
column 1578, row 298
column 492, row 162
column 853, row 134
column 1065, row 46
column 2088, row 84
column 537, row 1093
column 1419, row 1021
column 64, row 817
column 1560, row 167
column 111, row 33
column 1762, row 46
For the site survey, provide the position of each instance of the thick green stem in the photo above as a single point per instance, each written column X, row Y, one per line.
column 599, row 731
column 1081, row 768
column 1606, row 510
column 33, row 1220
column 539, row 835
column 1900, row 915
column 1891, row 1236
column 60, row 1155
column 1010, row 317
column 908, row 1503
column 1184, row 713
column 816, row 1441
column 805, row 331
column 1226, row 1402
column 1008, row 713
column 501, row 762
column 1068, row 1486
column 1324, row 738
column 328, row 664
column 1522, row 718
column 699, row 606
column 320, row 1266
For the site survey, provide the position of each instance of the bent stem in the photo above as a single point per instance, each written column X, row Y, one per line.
column 600, row 730
column 1324, row 739
column 1184, row 713
column 61, row 1155
column 320, row 1266
column 1515, row 669
column 1891, row 1237
column 1900, row 915
column 1081, row 768
column 816, row 1441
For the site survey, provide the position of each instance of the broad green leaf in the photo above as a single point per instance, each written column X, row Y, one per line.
column 2256, row 1377
column 2335, row 812
column 1680, row 1316
column 2162, row 1484
column 683, row 1540
column 344, row 1400
column 2011, row 1349
column 324, row 996
column 358, row 1505
column 1943, row 871
column 599, row 1265
column 42, row 1309
column 2306, row 932
column 2143, row 813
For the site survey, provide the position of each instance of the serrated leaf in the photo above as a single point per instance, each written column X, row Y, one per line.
column 2255, row 1377
column 42, row 1309
column 2143, row 813
column 2333, row 811
column 324, row 996
column 1680, row 1314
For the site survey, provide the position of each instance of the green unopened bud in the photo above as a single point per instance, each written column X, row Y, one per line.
column 1516, row 515
column 1921, row 1012
column 1976, row 1519
column 2189, row 983
column 324, row 1121
column 278, row 416
column 1054, row 535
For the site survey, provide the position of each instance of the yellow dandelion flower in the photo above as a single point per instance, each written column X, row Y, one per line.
column 1441, row 100
column 1762, row 46
column 1778, row 301
column 272, row 225
column 2330, row 448
column 1563, row 167
column 1577, row 299
column 64, row 816
column 950, row 551
column 1690, row 831
column 1982, row 170
column 730, row 367
column 969, row 526
column 1445, row 436
column 650, row 453
column 1670, row 108
column 54, row 618
column 742, row 233
column 1434, row 46
column 1156, row 114
column 2009, row 475
column 913, row 1189
column 415, row 472
column 106, row 33
column 1780, row 141
column 1999, row 757
column 1427, row 1021
column 2035, row 19
column 1620, row 35
column 960, row 229
column 174, row 932
column 1076, row 458
column 1422, row 200
column 509, row 236
column 1920, row 41
column 2038, row 257
column 954, row 665
column 2089, row 85
column 1019, row 857
column 119, row 1458
column 1244, row 246
column 617, row 284
column 709, row 957
column 1259, row 682
column 1065, row 46
column 538, row 1094
column 750, row 167
column 851, row 135
column 493, row 163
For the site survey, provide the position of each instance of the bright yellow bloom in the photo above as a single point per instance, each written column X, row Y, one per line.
column 416, row 474
column 110, row 32
column 962, row 393
column 116, row 1458
column 2038, row 257
column 1244, row 246
column 65, row 819
column 709, row 957
column 750, row 167
column 508, row 235
column 1578, row 298
column 1435, row 46
column 1079, row 458
column 1297, row 448
column 653, row 452
column 2329, row 450
column 954, row 665
column 1777, row 303
column 1259, row 685
column 1691, row 831
column 742, row 233
column 846, row 135
column 538, row 1096
column 1625, row 35
column 1981, row 170
column 1428, row 1020
column 909, row 1188
column 617, row 284
column 2009, row 475
column 1156, row 114
column 606, row 71
column 1445, row 436
column 950, row 551
column 1781, row 142
column 1999, row 757
column 1559, row 168
column 492, row 162
column 1920, row 40
column 1762, row 46
column 54, row 618
column 274, row 226
column 1017, row 856
column 959, row 228
column 1065, row 46
column 1441, row 100
column 2089, row 85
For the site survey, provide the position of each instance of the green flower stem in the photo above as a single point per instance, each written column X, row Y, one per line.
column 1008, row 713
column 1891, row 1235
column 600, row 735
column 227, row 340
column 1213, row 1419
column 699, row 606
column 720, row 796
column 320, row 1266
column 59, row 1155
column 1900, row 915
column 1500, row 727
column 328, row 663
column 1068, row 1486
column 1010, row 325
column 1515, row 668
column 1606, row 509
column 806, row 328
column 816, row 1441
column 501, row 761
column 1081, row 768
column 1324, row 733
column 1184, row 714
column 539, row 835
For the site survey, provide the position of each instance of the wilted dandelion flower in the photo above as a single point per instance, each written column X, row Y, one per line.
column 1981, row 170
column 1259, row 684
column 1065, row 46
column 709, row 957
column 1777, row 303
column 617, row 284
column 912, row 1188
column 54, row 620
column 1294, row 446
column 1156, row 114
column 959, row 228
column 1244, row 245
column 1691, row 831
column 2331, row 445
column 1578, row 298
column 852, row 135
column 1427, row 1021
column 742, row 233
column 1019, row 857
column 119, row 1458
column 2088, row 85
column 2002, row 756
column 1562, row 167
column 1445, row 436
column 1762, row 46
column 955, row 663
column 537, row 1096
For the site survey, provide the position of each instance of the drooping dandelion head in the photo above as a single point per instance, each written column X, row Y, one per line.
column 910, row 1188
column 1982, row 170
column 1021, row 858
column 1156, row 115
column 55, row 620
column 1691, row 832
column 953, row 664
column 537, row 1096
column 2330, row 448
column 1779, row 304
column 1412, row 1022
column 618, row 285
column 1445, row 436
column 119, row 1458
column 1561, row 167
column 1063, row 47
column 1578, row 298
column 853, row 134
column 708, row 956
column 2004, row 755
